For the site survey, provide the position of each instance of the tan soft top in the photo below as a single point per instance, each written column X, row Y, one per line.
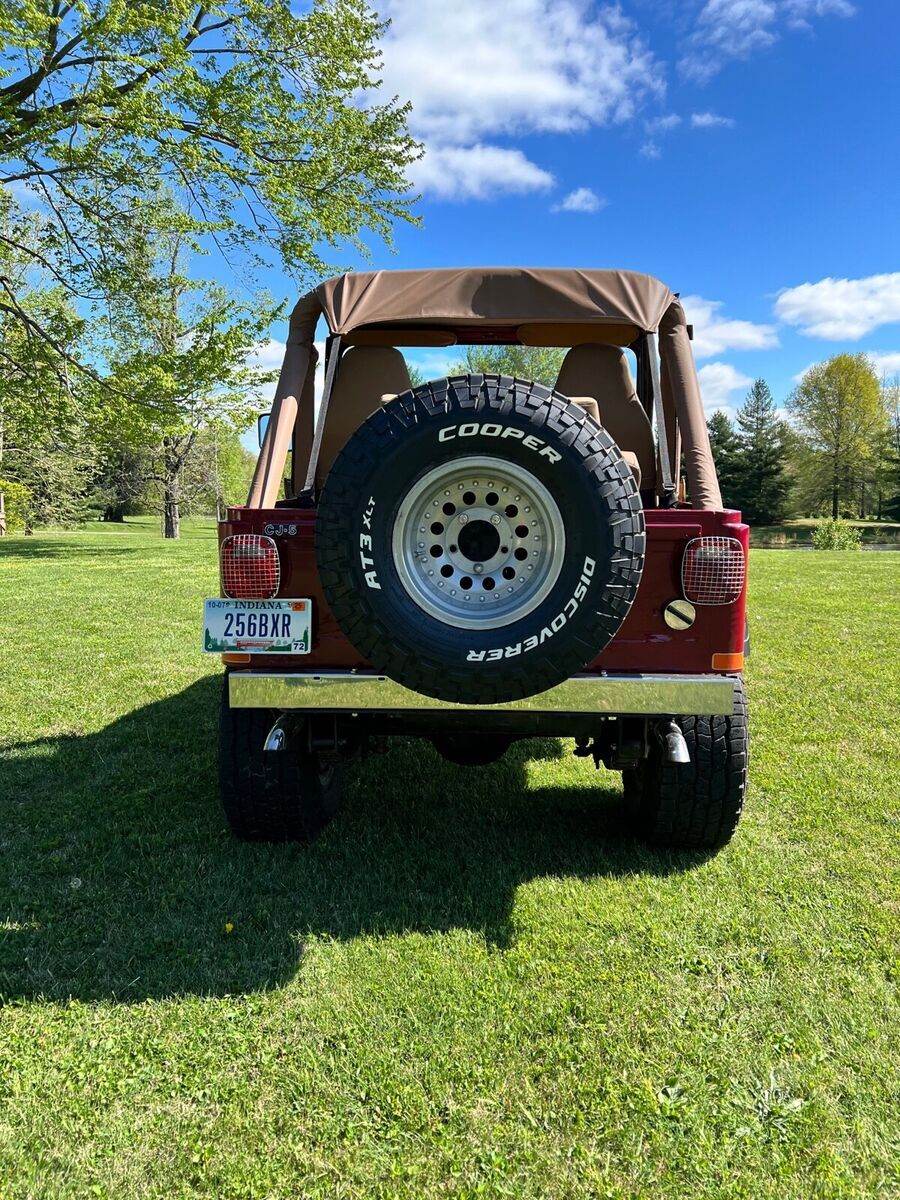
column 626, row 302
column 507, row 296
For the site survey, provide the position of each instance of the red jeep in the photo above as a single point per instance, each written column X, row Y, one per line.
column 482, row 558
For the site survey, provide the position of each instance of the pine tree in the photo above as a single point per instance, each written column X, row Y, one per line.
column 762, row 479
column 726, row 452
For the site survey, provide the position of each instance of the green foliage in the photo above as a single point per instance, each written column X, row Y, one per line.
column 180, row 356
column 752, row 459
column 262, row 119
column 477, row 983
column 888, row 457
column 217, row 473
column 539, row 364
column 836, row 534
column 840, row 412
column 726, row 451
column 16, row 504
column 762, row 482
column 45, row 429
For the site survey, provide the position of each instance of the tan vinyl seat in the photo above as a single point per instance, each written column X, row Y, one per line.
column 600, row 373
column 364, row 375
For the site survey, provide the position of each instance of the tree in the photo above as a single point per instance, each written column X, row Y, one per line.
column 120, row 480
column 888, row 472
column 726, row 452
column 260, row 120
column 218, row 472
column 839, row 411
column 762, row 483
column 179, row 352
column 45, row 445
column 538, row 363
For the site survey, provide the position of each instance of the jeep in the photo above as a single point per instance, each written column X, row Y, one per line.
column 483, row 558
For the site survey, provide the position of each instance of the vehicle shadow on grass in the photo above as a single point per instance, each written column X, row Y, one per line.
column 118, row 876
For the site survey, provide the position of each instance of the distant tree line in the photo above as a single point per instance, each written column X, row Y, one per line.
column 837, row 454
column 835, row 451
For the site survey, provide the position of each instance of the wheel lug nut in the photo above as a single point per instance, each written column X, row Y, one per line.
column 463, row 518
column 495, row 519
column 478, row 568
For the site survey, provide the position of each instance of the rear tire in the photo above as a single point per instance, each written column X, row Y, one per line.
column 287, row 795
column 695, row 805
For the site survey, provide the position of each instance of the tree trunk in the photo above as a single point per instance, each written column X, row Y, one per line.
column 171, row 514
column 835, row 501
column 2, row 515
column 114, row 512
column 172, row 464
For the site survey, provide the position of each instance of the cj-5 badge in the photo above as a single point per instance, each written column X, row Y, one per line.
column 280, row 530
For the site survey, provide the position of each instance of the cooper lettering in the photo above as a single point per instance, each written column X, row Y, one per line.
column 493, row 429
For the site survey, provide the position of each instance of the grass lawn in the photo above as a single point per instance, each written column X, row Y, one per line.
column 476, row 983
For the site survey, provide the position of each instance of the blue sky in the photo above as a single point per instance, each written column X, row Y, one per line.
column 745, row 151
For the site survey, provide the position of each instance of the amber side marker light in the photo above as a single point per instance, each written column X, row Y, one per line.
column 235, row 659
column 728, row 662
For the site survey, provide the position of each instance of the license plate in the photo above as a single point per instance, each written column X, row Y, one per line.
column 257, row 626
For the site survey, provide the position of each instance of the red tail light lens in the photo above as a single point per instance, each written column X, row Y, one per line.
column 713, row 570
column 251, row 568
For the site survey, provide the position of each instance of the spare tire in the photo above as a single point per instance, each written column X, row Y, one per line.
column 479, row 539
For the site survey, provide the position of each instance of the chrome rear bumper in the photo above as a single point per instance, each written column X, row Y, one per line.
column 360, row 692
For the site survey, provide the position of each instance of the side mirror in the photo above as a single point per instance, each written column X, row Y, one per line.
column 262, row 422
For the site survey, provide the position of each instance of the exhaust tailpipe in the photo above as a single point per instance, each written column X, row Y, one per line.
column 276, row 738
column 674, row 746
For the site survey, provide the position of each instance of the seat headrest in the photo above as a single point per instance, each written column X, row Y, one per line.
column 369, row 372
column 594, row 370
column 364, row 375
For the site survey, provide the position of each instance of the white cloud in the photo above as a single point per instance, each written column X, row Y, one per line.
column 650, row 149
column 717, row 382
column 840, row 309
column 476, row 72
column 434, row 364
column 799, row 12
column 663, row 124
column 267, row 355
column 710, row 120
column 735, row 29
column 714, row 334
column 582, row 200
column 885, row 362
column 477, row 172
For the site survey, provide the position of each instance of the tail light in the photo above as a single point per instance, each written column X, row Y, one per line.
column 713, row 570
column 251, row 568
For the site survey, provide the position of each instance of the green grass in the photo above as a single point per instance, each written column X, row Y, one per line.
column 476, row 983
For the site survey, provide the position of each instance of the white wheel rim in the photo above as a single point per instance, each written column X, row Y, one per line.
column 478, row 542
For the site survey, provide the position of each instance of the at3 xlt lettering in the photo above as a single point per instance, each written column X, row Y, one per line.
column 365, row 544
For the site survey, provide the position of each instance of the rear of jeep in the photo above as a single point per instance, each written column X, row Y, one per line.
column 480, row 558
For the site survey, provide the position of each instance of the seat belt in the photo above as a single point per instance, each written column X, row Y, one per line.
column 333, row 350
column 665, row 466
